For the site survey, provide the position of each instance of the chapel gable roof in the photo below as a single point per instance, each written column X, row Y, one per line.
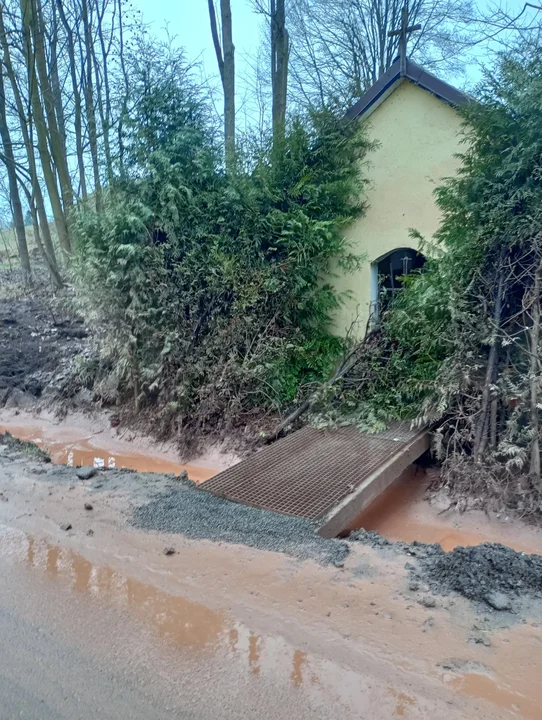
column 392, row 78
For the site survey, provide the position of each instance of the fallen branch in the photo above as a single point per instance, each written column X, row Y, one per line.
column 341, row 370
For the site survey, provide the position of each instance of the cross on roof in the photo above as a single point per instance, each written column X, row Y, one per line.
column 403, row 33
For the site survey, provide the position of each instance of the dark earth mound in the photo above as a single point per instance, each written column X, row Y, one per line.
column 478, row 571
column 489, row 572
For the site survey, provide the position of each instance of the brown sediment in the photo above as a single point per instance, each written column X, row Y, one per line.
column 481, row 686
column 203, row 636
column 184, row 623
column 358, row 644
column 385, row 636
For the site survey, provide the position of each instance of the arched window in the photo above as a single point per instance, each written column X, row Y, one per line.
column 387, row 273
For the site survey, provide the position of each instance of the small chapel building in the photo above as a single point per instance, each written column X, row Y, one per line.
column 412, row 116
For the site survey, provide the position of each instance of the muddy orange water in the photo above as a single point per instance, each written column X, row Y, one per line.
column 390, row 668
column 243, row 663
column 75, row 447
column 402, row 512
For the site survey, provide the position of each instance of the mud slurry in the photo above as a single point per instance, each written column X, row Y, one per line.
column 490, row 573
column 165, row 503
column 494, row 577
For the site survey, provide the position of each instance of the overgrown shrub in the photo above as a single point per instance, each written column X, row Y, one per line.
column 209, row 292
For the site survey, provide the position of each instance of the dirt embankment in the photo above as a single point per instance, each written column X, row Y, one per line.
column 40, row 341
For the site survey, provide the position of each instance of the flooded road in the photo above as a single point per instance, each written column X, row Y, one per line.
column 97, row 622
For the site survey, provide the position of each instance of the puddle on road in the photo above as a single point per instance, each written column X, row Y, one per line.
column 79, row 450
column 212, row 641
column 205, row 639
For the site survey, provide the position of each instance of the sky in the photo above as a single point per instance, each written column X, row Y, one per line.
column 189, row 21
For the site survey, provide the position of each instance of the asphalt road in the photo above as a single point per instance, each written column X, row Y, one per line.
column 80, row 642
column 62, row 658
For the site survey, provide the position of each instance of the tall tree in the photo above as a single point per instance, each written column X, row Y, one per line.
column 36, row 198
column 279, row 67
column 29, row 33
column 54, row 128
column 89, row 99
column 77, row 109
column 341, row 47
column 8, row 158
column 225, row 56
column 103, row 87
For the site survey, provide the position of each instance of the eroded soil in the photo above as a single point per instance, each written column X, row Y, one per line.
column 355, row 641
column 39, row 341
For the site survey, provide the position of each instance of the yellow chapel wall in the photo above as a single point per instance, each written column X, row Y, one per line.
column 418, row 136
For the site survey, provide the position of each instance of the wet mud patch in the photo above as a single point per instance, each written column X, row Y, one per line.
column 199, row 515
column 38, row 343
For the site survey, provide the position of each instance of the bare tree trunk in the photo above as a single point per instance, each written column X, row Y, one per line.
column 56, row 140
column 15, row 200
column 89, row 107
column 76, row 100
column 225, row 56
column 124, row 108
column 493, row 425
column 41, row 130
column 49, row 249
column 104, row 107
column 55, row 81
column 229, row 83
column 29, row 145
column 279, row 68
column 534, row 374
column 50, row 259
column 481, row 438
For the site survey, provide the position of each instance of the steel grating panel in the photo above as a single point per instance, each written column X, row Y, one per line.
column 308, row 472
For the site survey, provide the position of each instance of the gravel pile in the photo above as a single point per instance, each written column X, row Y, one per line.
column 375, row 540
column 202, row 516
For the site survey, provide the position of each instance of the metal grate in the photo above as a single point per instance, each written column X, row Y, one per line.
column 308, row 472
